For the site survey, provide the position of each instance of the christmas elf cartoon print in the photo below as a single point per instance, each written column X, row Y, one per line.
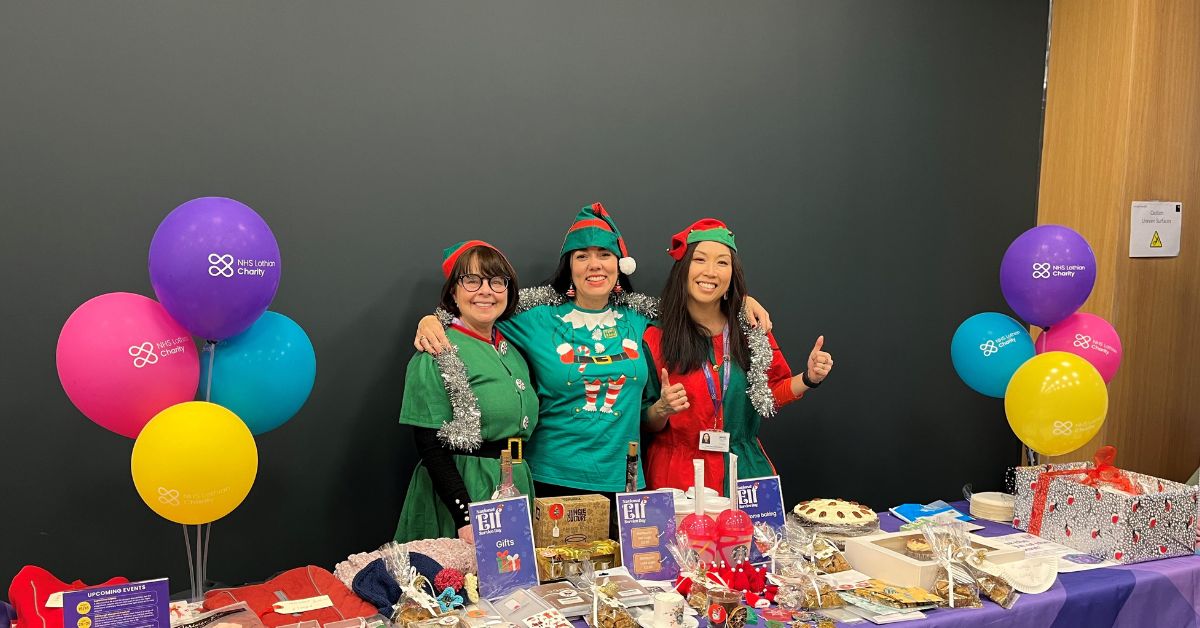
column 597, row 351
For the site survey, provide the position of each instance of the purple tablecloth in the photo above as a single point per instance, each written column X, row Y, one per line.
column 1158, row 594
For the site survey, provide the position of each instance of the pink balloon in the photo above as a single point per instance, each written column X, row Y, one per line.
column 122, row 359
column 1087, row 336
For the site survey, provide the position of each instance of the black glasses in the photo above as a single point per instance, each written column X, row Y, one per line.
column 472, row 283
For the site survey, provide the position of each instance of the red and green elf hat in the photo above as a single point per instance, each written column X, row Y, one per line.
column 594, row 227
column 703, row 230
column 451, row 254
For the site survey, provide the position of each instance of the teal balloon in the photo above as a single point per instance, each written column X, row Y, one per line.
column 264, row 374
column 987, row 349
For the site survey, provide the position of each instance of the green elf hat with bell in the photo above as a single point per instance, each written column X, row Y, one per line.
column 703, row 230
column 451, row 254
column 594, row 227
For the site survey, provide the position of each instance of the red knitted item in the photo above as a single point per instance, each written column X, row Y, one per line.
column 295, row 584
column 30, row 589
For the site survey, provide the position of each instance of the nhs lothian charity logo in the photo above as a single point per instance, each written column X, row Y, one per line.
column 1082, row 341
column 143, row 354
column 220, row 265
column 988, row 348
column 1063, row 428
column 1041, row 271
column 168, row 496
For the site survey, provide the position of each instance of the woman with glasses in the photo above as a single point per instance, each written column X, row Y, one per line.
column 467, row 404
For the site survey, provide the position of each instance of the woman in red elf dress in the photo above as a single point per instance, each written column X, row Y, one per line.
column 732, row 374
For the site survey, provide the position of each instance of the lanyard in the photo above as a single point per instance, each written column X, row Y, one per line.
column 718, row 409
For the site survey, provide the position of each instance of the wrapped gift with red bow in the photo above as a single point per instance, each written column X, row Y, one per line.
column 1105, row 511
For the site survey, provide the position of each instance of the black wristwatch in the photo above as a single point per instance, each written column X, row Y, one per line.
column 808, row 382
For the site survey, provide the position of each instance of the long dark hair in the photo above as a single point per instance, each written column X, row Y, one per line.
column 685, row 343
column 561, row 279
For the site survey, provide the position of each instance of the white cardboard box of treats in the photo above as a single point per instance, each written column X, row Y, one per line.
column 882, row 556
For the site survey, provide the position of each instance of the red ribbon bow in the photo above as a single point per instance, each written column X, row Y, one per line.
column 1103, row 472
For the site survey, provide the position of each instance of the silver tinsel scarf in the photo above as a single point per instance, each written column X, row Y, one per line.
column 758, row 388
column 464, row 431
column 529, row 298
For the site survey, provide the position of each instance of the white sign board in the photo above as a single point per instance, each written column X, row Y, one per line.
column 1154, row 228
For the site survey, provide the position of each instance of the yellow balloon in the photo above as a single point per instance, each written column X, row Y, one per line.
column 194, row 462
column 1056, row 402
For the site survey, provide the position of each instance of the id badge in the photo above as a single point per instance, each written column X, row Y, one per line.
column 714, row 440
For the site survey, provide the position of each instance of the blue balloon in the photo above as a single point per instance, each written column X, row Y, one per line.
column 264, row 374
column 986, row 350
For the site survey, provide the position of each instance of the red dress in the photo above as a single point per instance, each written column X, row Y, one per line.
column 669, row 453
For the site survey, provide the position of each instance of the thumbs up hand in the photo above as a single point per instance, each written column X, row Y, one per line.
column 819, row 362
column 673, row 398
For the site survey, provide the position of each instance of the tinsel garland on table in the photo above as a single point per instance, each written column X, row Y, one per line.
column 464, row 431
column 758, row 388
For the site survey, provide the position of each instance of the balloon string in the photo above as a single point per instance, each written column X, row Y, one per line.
column 211, row 348
column 199, row 582
column 1031, row 456
column 191, row 572
column 207, row 544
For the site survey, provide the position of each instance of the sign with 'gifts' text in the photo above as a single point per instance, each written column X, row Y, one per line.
column 128, row 605
column 762, row 500
column 647, row 524
column 503, row 546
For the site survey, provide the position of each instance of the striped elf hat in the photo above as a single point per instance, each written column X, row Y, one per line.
column 703, row 230
column 451, row 254
column 594, row 227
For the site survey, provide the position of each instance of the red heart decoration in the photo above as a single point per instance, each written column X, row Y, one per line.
column 1115, row 518
column 1117, row 556
column 1070, row 500
column 1095, row 533
column 1153, row 522
column 1162, row 549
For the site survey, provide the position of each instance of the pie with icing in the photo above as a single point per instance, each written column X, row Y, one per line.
column 835, row 512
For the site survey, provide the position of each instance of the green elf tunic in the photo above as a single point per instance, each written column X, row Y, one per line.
column 499, row 377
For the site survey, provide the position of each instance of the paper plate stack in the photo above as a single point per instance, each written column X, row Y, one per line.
column 993, row 506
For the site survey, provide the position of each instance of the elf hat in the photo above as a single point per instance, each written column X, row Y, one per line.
column 451, row 254
column 703, row 230
column 594, row 227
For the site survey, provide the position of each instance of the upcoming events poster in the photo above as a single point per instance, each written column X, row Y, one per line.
column 503, row 546
column 130, row 605
column 762, row 499
column 647, row 524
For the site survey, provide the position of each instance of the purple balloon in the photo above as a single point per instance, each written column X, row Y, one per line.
column 1047, row 274
column 215, row 266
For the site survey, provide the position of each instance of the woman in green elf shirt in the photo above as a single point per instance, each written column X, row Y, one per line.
column 459, row 436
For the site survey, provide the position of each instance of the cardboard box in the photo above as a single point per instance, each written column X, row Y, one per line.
column 882, row 556
column 578, row 519
column 1105, row 522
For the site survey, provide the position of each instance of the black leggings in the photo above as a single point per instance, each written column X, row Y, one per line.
column 541, row 489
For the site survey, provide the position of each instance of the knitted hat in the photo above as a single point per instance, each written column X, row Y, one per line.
column 594, row 227
column 703, row 230
column 377, row 587
column 451, row 254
